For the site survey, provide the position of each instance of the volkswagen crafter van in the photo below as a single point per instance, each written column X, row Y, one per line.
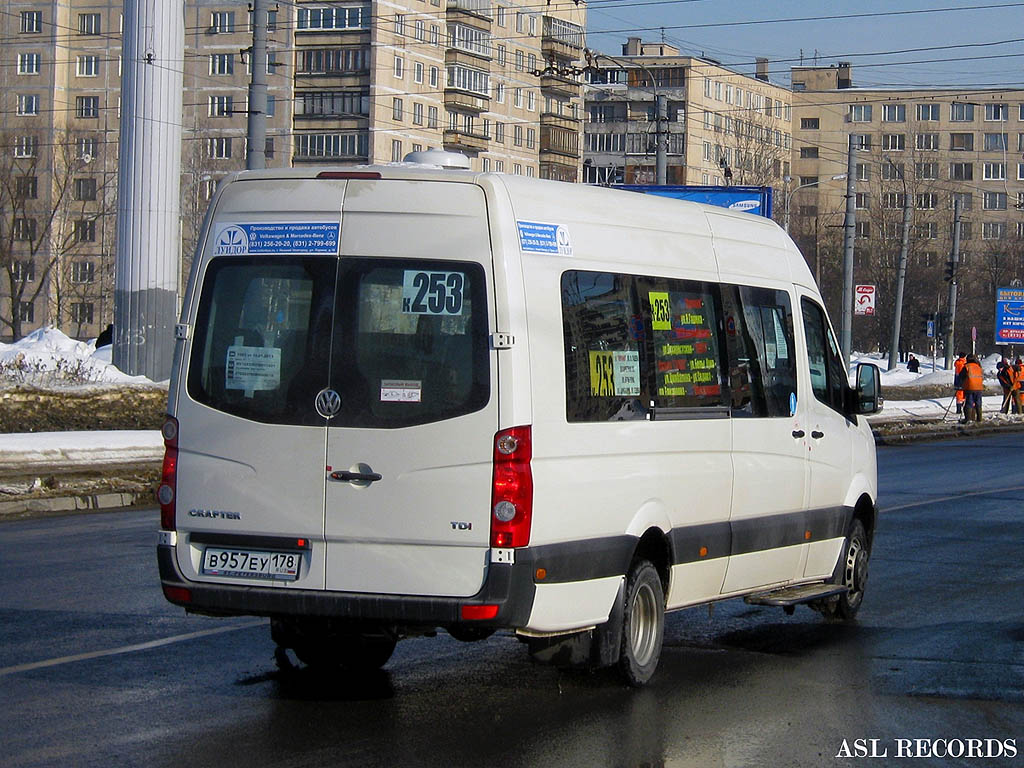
column 407, row 398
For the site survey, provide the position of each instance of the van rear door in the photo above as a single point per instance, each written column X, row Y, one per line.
column 415, row 376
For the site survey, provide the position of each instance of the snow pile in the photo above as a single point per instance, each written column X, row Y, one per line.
column 47, row 358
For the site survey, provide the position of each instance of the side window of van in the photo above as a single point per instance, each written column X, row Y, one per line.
column 410, row 342
column 683, row 317
column 265, row 328
column 828, row 374
column 603, row 333
column 759, row 339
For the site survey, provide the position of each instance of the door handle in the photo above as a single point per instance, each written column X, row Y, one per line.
column 356, row 477
column 817, row 435
column 798, row 433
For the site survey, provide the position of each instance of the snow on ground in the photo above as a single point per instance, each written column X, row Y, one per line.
column 49, row 359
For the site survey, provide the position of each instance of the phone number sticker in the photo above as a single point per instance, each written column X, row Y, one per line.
column 284, row 237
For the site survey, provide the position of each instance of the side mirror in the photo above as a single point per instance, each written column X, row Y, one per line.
column 868, row 394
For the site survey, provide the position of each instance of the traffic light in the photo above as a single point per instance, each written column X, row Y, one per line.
column 941, row 324
column 927, row 324
column 950, row 271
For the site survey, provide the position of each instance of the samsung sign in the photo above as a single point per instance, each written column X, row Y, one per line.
column 756, row 200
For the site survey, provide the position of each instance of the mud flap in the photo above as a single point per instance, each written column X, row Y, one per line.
column 593, row 648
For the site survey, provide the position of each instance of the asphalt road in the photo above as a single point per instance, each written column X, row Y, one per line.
column 96, row 669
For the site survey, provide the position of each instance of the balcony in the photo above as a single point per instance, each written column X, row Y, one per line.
column 560, row 84
column 550, row 119
column 475, row 12
column 464, row 141
column 467, row 101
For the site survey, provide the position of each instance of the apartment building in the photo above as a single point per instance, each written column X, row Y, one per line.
column 927, row 147
column 722, row 127
column 349, row 82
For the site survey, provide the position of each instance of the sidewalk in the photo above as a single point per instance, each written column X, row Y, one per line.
column 67, row 471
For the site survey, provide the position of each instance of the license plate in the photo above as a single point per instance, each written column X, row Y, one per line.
column 251, row 564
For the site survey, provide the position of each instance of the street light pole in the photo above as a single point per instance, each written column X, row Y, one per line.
column 790, row 193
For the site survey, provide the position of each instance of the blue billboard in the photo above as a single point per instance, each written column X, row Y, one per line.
column 756, row 200
column 1010, row 316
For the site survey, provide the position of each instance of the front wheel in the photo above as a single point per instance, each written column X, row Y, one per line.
column 643, row 624
column 852, row 572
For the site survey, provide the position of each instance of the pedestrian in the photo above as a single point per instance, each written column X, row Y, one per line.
column 913, row 364
column 1007, row 376
column 1018, row 397
column 972, row 382
column 958, row 365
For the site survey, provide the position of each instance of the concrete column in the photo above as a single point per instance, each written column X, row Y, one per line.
column 149, row 183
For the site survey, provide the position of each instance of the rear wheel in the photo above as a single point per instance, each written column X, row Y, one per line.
column 852, row 572
column 643, row 624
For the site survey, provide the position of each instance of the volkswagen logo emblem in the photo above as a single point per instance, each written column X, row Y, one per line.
column 328, row 403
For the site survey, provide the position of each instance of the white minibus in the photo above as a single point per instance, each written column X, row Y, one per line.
column 408, row 398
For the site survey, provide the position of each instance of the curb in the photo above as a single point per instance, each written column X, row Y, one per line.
column 97, row 502
column 956, row 430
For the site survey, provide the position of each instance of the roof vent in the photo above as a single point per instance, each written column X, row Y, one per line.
column 439, row 158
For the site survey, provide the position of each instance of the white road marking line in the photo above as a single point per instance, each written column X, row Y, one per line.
column 126, row 648
column 955, row 496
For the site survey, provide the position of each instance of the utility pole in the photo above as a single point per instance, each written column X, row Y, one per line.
column 954, row 258
column 894, row 343
column 849, row 232
column 256, row 146
column 661, row 158
column 149, row 189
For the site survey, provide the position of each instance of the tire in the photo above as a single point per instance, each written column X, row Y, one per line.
column 851, row 571
column 643, row 624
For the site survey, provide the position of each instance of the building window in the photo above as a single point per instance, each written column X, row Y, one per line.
column 417, row 113
column 520, row 64
column 502, row 56
column 808, row 152
column 86, row 149
column 85, row 188
column 861, row 141
column 517, row 135
column 85, row 230
column 927, row 201
column 399, row 69
column 501, row 16
column 421, row 30
column 928, row 230
column 434, row 77
column 319, row 145
column 31, row 22
column 499, row 93
column 81, row 312
column 23, row 271
column 499, row 134
column 271, row 20
column 396, row 150
column 993, row 230
column 863, row 230
column 222, row 63
column 467, row 79
column 531, row 101
column 25, row 146
column 28, row 104
column 417, row 72
column 926, row 170
column 517, row 97
column 531, row 138
column 343, row 17
column 894, row 113
column 87, row 106
column 961, row 112
column 893, row 200
column 222, row 22
column 863, row 171
column 219, row 148
column 326, row 61
column 24, row 229
column 268, row 148
column 221, row 106
column 994, row 201
column 26, row 312
column 928, row 112
column 26, row 188
column 994, row 172
column 807, row 181
column 432, row 118
column 87, row 66
column 860, row 113
column 28, row 63
column 89, row 24
column 894, row 142
column 961, row 142
column 400, row 24
column 892, row 171
column 996, row 112
column 396, row 109
column 966, row 200
column 928, row 142
column 1020, row 171
column 862, row 201
column 961, row 171
column 996, row 142
column 809, row 123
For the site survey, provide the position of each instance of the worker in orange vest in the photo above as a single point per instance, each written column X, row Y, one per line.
column 972, row 382
column 958, row 365
column 1018, row 399
column 1007, row 376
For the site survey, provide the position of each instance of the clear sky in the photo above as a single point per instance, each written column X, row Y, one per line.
column 958, row 42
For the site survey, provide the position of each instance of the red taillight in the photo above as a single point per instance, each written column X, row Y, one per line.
column 479, row 612
column 348, row 175
column 512, row 489
column 167, row 492
column 178, row 594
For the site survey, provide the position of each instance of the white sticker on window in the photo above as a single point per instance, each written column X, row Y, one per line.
column 252, row 368
column 627, row 372
column 400, row 391
column 780, row 337
column 432, row 293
